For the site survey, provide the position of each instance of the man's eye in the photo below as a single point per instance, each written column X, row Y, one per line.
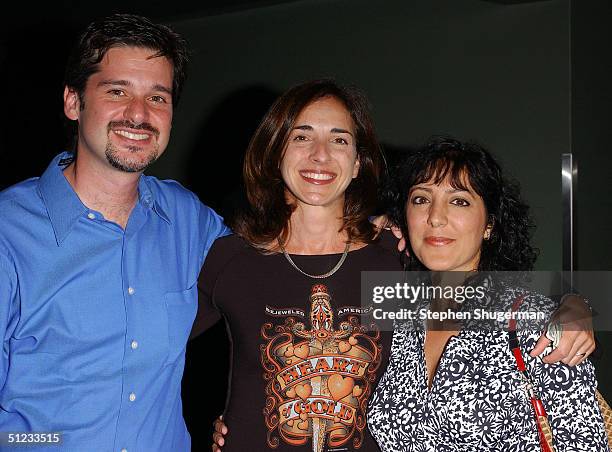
column 115, row 92
column 159, row 99
column 339, row 140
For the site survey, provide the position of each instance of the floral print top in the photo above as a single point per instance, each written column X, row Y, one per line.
column 477, row 401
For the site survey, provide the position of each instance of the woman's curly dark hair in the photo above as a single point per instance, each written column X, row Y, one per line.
column 509, row 247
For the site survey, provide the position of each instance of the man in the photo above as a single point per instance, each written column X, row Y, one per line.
column 98, row 263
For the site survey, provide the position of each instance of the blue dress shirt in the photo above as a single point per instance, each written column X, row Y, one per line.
column 95, row 319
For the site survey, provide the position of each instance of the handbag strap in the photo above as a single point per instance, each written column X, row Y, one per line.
column 541, row 418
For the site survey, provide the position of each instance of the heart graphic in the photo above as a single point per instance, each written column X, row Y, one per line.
column 339, row 386
column 289, row 351
column 302, row 351
column 344, row 346
column 303, row 425
column 353, row 340
column 357, row 391
column 290, row 423
column 290, row 393
column 303, row 416
column 303, row 391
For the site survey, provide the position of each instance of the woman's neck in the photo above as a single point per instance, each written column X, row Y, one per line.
column 315, row 230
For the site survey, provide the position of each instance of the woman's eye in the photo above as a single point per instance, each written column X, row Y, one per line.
column 300, row 138
column 418, row 200
column 460, row 202
column 339, row 140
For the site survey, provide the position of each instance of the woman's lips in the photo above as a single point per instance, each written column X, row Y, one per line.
column 318, row 177
column 438, row 241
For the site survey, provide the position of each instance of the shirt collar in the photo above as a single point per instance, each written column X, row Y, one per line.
column 147, row 199
column 64, row 206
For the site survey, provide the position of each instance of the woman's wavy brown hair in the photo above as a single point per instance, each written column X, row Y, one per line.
column 267, row 218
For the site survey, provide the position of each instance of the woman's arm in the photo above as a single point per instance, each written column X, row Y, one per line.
column 568, row 395
column 577, row 339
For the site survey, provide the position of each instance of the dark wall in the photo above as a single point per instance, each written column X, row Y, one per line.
column 494, row 73
column 591, row 131
column 591, row 143
column 31, row 71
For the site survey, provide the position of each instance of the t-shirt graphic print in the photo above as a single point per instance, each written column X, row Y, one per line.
column 319, row 371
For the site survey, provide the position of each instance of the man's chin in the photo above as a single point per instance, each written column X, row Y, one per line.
column 130, row 164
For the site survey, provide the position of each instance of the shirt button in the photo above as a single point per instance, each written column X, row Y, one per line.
column 91, row 216
column 131, row 290
column 132, row 397
column 134, row 345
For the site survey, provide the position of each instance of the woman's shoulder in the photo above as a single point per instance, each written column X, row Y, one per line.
column 383, row 252
column 523, row 296
column 223, row 251
column 229, row 244
column 387, row 241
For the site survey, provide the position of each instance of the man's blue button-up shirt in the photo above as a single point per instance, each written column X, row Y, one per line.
column 94, row 319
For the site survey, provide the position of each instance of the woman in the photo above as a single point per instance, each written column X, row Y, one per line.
column 287, row 284
column 305, row 354
column 458, row 388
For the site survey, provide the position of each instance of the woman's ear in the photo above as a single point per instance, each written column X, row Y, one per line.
column 488, row 229
column 356, row 168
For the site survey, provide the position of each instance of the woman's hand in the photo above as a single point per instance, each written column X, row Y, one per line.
column 382, row 222
column 577, row 340
column 219, row 434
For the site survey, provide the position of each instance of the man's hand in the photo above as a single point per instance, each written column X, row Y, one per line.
column 219, row 434
column 577, row 339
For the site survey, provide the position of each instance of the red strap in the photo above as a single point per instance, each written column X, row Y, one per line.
column 519, row 359
column 538, row 407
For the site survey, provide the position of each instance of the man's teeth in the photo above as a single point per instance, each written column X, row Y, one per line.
column 318, row 176
column 132, row 136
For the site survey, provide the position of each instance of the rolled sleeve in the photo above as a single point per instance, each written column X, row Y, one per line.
column 211, row 228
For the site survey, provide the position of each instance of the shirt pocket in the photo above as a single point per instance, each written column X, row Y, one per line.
column 181, row 308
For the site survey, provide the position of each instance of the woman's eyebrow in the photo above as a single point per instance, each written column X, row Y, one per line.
column 450, row 190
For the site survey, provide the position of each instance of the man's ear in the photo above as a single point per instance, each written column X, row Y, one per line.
column 72, row 103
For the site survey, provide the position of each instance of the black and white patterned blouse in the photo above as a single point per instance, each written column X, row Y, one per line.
column 477, row 401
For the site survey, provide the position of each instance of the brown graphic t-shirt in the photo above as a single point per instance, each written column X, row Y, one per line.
column 305, row 354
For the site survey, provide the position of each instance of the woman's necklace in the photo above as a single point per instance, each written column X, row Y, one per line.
column 324, row 275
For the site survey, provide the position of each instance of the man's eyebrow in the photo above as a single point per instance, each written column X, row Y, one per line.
column 163, row 89
column 114, row 82
column 156, row 87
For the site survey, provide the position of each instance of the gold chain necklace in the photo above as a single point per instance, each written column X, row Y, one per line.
column 324, row 275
